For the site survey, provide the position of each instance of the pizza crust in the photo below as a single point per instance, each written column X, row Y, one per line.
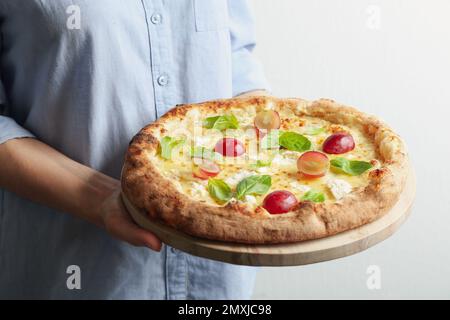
column 152, row 193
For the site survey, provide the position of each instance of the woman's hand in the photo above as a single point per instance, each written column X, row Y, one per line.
column 253, row 93
column 118, row 222
column 40, row 173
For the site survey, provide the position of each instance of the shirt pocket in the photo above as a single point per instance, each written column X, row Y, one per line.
column 210, row 15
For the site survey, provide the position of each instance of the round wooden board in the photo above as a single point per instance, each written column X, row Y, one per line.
column 301, row 253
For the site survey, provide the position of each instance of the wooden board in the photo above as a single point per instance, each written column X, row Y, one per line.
column 301, row 253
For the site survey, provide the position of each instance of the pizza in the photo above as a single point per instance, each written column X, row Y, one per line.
column 264, row 170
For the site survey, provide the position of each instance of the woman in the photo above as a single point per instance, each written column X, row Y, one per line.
column 78, row 79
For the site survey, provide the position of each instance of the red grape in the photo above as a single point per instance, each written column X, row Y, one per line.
column 267, row 119
column 229, row 147
column 313, row 164
column 205, row 168
column 280, row 201
column 339, row 143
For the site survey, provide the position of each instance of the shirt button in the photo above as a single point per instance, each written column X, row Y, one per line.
column 173, row 250
column 163, row 80
column 156, row 18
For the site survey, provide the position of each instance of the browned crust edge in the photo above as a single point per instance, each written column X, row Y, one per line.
column 155, row 195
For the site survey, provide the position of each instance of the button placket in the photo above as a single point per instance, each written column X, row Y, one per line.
column 156, row 18
column 176, row 274
column 163, row 80
column 160, row 52
column 160, row 55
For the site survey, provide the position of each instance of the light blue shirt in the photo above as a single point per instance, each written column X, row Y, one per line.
column 84, row 76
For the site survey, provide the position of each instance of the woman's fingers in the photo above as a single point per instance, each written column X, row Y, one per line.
column 118, row 222
column 125, row 229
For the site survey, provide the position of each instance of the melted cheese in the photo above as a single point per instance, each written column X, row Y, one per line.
column 198, row 190
column 251, row 200
column 339, row 188
column 283, row 168
column 234, row 179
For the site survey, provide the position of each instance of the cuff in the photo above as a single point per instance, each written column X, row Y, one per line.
column 9, row 129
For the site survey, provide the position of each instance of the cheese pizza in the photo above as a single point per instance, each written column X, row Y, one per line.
column 264, row 170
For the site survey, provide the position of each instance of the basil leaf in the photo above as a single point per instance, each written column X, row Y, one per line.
column 221, row 122
column 219, row 190
column 204, row 153
column 350, row 167
column 294, row 141
column 263, row 163
column 253, row 185
column 314, row 196
column 167, row 144
column 315, row 131
column 271, row 140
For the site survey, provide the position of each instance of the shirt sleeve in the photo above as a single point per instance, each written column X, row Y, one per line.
column 247, row 70
column 9, row 129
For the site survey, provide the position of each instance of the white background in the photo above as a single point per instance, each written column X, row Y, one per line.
column 397, row 67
